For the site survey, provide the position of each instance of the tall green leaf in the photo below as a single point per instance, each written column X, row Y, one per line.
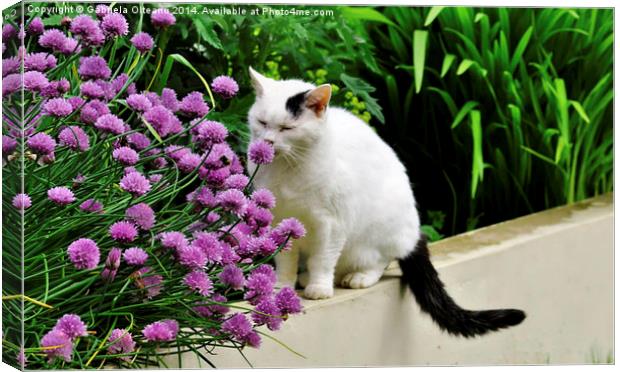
column 419, row 54
column 432, row 14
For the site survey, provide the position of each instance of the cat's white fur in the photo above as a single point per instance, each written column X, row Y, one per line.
column 346, row 185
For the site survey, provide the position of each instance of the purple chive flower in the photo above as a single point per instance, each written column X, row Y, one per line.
column 233, row 201
column 175, row 125
column 153, row 97
column 142, row 215
column 238, row 326
column 268, row 313
column 9, row 144
column 125, row 155
column 123, row 231
column 121, row 343
column 35, row 81
column 209, row 132
column 193, row 105
column 154, row 178
column 91, row 205
column 291, row 226
column 142, row 41
column 139, row 102
column 93, row 110
column 114, row 24
column 163, row 330
column 173, row 240
column 160, row 118
column 94, row 67
column 287, row 301
column 39, row 62
column 74, row 138
column 236, row 181
column 214, row 177
column 268, row 271
column 220, row 155
column 70, row 47
column 192, row 257
column 119, row 82
column 36, row 27
column 106, row 88
column 88, row 29
column 135, row 256
column 53, row 39
column 8, row 32
column 176, row 152
column 60, row 195
column 162, row 18
column 110, row 123
column 21, row 358
column 229, row 256
column 112, row 263
column 259, row 286
column 253, row 339
column 78, row 180
column 84, row 254
column 90, row 89
column 58, row 345
column 152, row 283
column 71, row 325
column 232, row 276
column 102, row 10
column 214, row 309
column 11, row 84
column 57, row 89
column 262, row 245
column 199, row 282
column 189, row 162
column 261, row 152
column 22, row 201
column 169, row 99
column 172, row 324
column 261, row 217
column 10, row 66
column 209, row 244
column 135, row 183
column 203, row 197
column 138, row 141
column 225, row 86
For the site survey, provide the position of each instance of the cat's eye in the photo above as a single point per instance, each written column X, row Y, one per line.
column 263, row 123
column 282, row 129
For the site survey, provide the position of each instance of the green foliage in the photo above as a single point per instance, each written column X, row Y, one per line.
column 321, row 49
column 534, row 87
column 437, row 221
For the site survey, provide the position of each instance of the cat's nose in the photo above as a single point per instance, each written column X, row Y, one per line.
column 269, row 141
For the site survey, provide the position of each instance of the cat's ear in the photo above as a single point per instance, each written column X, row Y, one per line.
column 258, row 81
column 318, row 99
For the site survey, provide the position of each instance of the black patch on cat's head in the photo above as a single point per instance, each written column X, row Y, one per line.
column 294, row 104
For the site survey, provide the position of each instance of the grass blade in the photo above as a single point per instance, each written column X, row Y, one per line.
column 464, row 66
column 419, row 54
column 432, row 14
column 467, row 107
column 447, row 62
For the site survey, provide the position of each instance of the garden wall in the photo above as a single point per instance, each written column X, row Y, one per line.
column 556, row 265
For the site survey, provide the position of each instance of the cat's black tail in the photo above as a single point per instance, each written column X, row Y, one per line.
column 428, row 290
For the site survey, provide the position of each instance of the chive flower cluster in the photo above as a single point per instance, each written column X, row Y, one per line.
column 139, row 199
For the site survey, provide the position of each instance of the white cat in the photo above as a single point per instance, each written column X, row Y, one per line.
column 348, row 187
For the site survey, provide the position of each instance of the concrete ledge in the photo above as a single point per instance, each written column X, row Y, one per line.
column 556, row 265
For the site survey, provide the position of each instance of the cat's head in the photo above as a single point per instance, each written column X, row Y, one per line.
column 288, row 113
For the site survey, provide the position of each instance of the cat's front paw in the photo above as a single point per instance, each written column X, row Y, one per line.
column 318, row 291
